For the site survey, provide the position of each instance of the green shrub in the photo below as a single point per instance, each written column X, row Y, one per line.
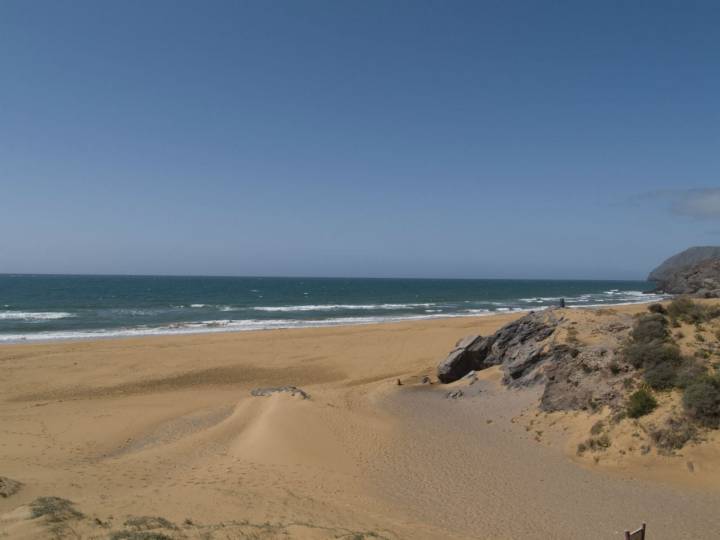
column 647, row 354
column 649, row 328
column 600, row 443
column 640, row 403
column 681, row 308
column 657, row 308
column 688, row 372
column 674, row 435
column 139, row 535
column 661, row 376
column 684, row 309
column 54, row 509
column 594, row 444
column 702, row 400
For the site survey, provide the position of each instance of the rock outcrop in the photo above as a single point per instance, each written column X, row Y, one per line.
column 694, row 271
column 702, row 279
column 8, row 486
column 516, row 345
column 575, row 355
column 294, row 391
column 469, row 354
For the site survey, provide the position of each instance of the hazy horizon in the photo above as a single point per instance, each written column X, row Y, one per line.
column 278, row 276
column 418, row 140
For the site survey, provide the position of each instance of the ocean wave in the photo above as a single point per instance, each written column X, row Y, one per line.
column 341, row 307
column 293, row 316
column 612, row 296
column 33, row 315
column 213, row 326
column 540, row 299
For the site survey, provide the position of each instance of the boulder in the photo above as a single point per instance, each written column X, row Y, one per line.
column 467, row 355
column 8, row 487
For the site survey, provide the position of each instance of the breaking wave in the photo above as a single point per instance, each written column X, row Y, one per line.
column 33, row 315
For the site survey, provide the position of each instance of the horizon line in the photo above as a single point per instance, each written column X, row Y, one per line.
column 55, row 274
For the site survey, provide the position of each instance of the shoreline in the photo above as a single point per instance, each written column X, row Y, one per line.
column 170, row 427
column 226, row 327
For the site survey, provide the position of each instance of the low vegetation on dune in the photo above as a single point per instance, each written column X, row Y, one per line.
column 60, row 519
column 641, row 403
column 54, row 509
column 673, row 368
column 654, row 377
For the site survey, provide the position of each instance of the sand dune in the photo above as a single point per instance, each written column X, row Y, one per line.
column 166, row 427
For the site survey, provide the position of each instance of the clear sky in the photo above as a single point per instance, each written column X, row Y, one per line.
column 358, row 138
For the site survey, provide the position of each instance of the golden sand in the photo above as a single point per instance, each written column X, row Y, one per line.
column 166, row 426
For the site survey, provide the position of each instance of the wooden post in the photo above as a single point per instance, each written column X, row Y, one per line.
column 636, row 535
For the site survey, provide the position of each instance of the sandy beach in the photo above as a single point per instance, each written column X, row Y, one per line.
column 167, row 427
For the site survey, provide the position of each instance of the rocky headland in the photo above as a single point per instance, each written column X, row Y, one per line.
column 695, row 271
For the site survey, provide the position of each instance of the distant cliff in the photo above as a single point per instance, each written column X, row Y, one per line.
column 693, row 271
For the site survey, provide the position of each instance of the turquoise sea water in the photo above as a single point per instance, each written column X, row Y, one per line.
column 67, row 307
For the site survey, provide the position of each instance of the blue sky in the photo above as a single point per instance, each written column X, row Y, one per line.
column 378, row 138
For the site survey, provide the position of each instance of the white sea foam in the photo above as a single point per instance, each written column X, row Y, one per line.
column 339, row 307
column 33, row 315
column 613, row 296
column 429, row 311
column 213, row 326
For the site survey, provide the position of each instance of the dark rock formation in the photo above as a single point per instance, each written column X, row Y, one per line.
column 469, row 354
column 674, row 276
column 702, row 279
column 8, row 487
column 292, row 390
column 515, row 345
column 543, row 348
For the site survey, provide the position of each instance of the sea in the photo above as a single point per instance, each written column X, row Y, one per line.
column 60, row 307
